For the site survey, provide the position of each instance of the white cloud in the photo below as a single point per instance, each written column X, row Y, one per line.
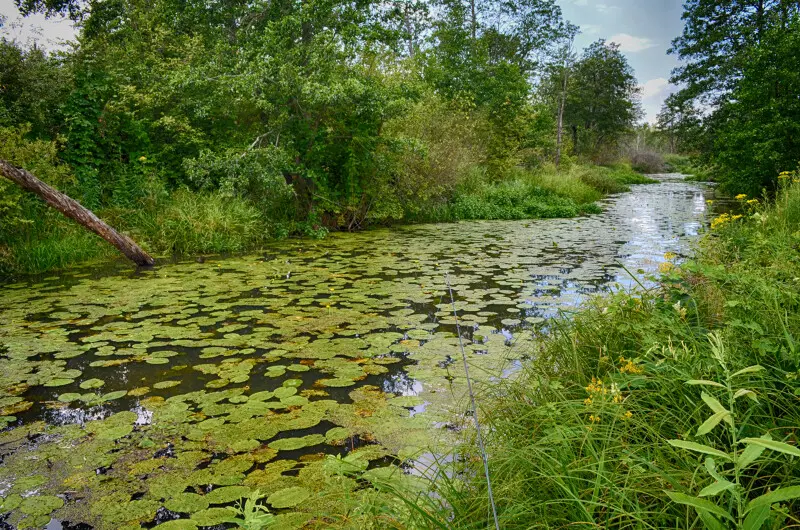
column 590, row 29
column 629, row 43
column 655, row 88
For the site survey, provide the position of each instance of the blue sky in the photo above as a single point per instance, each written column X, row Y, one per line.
column 643, row 28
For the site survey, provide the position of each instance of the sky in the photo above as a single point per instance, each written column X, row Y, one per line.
column 643, row 28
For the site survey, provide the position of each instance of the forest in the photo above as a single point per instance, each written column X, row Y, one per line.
column 202, row 128
column 419, row 264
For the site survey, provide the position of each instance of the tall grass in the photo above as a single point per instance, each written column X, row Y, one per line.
column 521, row 194
column 633, row 415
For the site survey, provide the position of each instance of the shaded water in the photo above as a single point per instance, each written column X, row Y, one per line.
column 134, row 396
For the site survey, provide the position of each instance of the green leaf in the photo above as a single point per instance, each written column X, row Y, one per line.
column 712, row 422
column 716, row 488
column 773, row 445
column 716, row 406
column 749, row 455
column 749, row 370
column 699, row 448
column 756, row 518
column 744, row 392
column 704, row 382
column 709, row 521
column 774, row 497
column 699, row 504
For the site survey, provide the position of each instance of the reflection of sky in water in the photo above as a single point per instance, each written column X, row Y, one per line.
column 507, row 276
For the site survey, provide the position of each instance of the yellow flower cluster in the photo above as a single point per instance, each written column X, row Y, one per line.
column 665, row 267
column 741, row 197
column 723, row 219
column 594, row 419
column 669, row 256
column 752, row 202
column 784, row 175
column 629, row 367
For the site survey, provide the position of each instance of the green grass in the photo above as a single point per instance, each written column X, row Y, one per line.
column 544, row 193
column 186, row 223
column 569, row 451
column 189, row 223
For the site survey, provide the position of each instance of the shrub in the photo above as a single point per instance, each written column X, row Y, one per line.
column 648, row 162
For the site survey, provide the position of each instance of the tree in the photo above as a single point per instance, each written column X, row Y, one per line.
column 603, row 103
column 680, row 123
column 738, row 55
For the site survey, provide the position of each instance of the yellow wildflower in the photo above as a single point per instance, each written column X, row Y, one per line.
column 752, row 202
column 628, row 415
column 587, row 401
column 631, row 368
column 709, row 202
column 720, row 221
column 594, row 419
column 142, row 159
column 741, row 197
column 665, row 267
column 669, row 256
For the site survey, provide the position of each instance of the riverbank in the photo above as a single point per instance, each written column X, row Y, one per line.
column 671, row 407
column 185, row 223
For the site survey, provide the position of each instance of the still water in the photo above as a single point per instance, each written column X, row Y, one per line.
column 139, row 398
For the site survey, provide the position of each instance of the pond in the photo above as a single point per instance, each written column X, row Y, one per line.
column 306, row 372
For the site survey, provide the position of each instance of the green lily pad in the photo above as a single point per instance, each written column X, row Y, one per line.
column 227, row 494
column 288, row 497
column 178, row 524
column 293, row 383
column 284, row 392
column 69, row 397
column 212, row 516
column 92, row 383
column 166, row 384
column 111, row 396
column 156, row 360
column 59, row 382
column 40, row 504
column 186, row 503
column 11, row 502
column 337, row 434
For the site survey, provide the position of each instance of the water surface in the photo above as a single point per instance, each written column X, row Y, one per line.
column 303, row 372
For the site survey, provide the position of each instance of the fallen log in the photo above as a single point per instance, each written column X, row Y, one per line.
column 73, row 209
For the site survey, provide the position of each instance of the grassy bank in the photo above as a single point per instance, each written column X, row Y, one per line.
column 184, row 222
column 676, row 407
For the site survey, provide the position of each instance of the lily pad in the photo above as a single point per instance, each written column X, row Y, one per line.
column 178, row 524
column 212, row 517
column 59, row 381
column 186, row 503
column 40, row 504
column 288, row 497
column 166, row 384
column 92, row 383
column 227, row 494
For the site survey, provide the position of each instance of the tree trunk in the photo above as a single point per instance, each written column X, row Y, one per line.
column 72, row 209
column 561, row 106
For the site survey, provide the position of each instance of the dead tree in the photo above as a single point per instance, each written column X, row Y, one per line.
column 73, row 209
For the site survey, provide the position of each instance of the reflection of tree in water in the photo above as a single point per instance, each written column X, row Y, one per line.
column 401, row 383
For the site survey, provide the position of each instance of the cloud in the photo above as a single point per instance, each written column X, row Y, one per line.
column 655, row 88
column 629, row 43
column 590, row 29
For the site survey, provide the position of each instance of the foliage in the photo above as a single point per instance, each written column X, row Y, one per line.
column 602, row 102
column 741, row 64
column 671, row 407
